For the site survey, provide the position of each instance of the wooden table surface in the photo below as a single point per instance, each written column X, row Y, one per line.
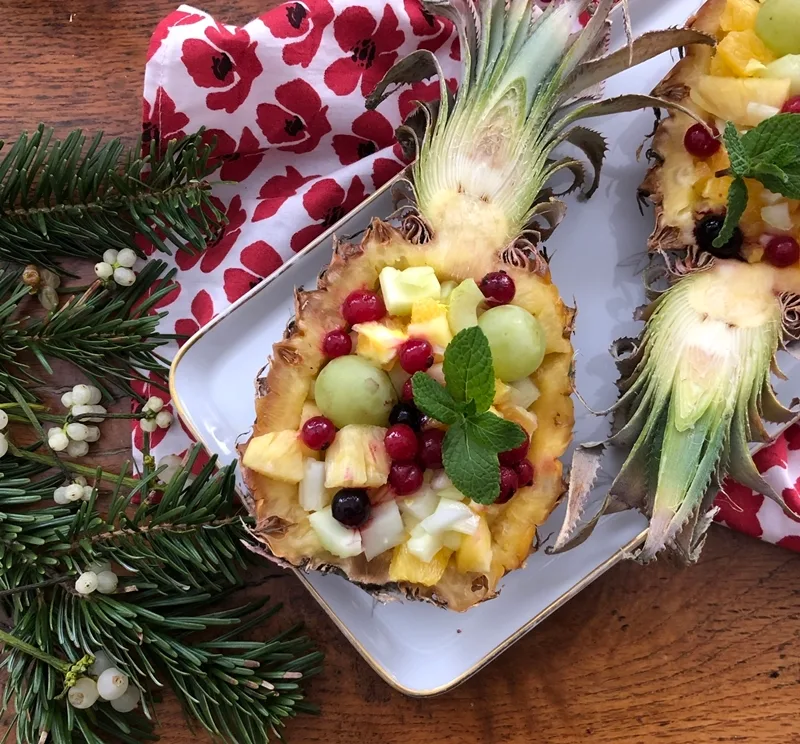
column 656, row 654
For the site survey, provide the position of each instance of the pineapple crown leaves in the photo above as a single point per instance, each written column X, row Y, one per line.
column 475, row 435
column 67, row 198
column 769, row 153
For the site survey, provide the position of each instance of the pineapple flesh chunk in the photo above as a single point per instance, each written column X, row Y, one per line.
column 406, row 567
column 429, row 321
column 728, row 98
column 739, row 48
column 739, row 15
column 357, row 458
column 475, row 552
column 277, row 454
column 379, row 342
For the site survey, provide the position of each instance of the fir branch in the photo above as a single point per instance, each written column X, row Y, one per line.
column 64, row 198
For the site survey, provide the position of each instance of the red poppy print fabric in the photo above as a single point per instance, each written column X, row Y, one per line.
column 282, row 98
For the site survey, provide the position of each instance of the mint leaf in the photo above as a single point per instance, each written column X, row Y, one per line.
column 782, row 155
column 468, row 368
column 740, row 161
column 770, row 170
column 737, row 202
column 473, row 468
column 433, row 400
column 787, row 183
column 771, row 133
column 494, row 433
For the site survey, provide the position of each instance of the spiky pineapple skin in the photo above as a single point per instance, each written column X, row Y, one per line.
column 283, row 525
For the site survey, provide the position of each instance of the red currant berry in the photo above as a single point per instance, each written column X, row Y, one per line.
column 699, row 142
column 498, row 287
column 401, row 442
column 416, row 355
column 408, row 391
column 337, row 343
column 524, row 473
column 791, row 106
column 362, row 306
column 512, row 457
column 405, row 477
column 509, row 482
column 317, row 433
column 781, row 251
column 430, row 448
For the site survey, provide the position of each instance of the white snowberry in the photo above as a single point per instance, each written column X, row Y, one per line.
column 83, row 694
column 102, row 661
column 80, row 480
column 164, row 419
column 3, row 419
column 110, row 256
column 128, row 701
column 48, row 298
column 74, row 492
column 86, row 583
column 81, row 395
column 107, row 582
column 126, row 258
column 60, row 495
column 66, row 399
column 3, row 445
column 99, row 567
column 58, row 440
column 103, row 270
column 95, row 396
column 77, row 432
column 87, row 493
column 148, row 425
column 93, row 433
column 171, row 465
column 82, row 410
column 78, row 449
column 112, row 683
column 154, row 404
column 124, row 277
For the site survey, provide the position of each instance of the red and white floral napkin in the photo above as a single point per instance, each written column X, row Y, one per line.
column 284, row 97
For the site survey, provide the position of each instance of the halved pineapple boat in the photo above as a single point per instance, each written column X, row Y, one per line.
column 349, row 469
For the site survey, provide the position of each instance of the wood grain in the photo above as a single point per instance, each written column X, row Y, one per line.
column 656, row 654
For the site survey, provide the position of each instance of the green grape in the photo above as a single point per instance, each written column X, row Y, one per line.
column 778, row 25
column 350, row 390
column 516, row 340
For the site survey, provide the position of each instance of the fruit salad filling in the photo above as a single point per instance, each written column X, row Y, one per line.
column 376, row 467
column 752, row 75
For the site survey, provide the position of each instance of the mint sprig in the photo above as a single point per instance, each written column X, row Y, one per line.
column 769, row 153
column 475, row 435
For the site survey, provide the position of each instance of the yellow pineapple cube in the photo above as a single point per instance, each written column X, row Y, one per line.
column 526, row 419
column 379, row 342
column 739, row 48
column 310, row 410
column 502, row 393
column 357, row 458
column 719, row 67
column 475, row 551
column 429, row 321
column 739, row 15
column 729, row 97
column 278, row 455
column 716, row 189
column 407, row 567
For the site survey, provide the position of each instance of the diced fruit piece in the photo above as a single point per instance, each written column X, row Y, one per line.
column 436, row 372
column 475, row 552
column 708, row 228
column 447, row 290
column 277, row 454
column 777, row 216
column 498, row 287
column 384, row 530
column 406, row 413
column 363, row 306
column 310, row 410
column 509, row 483
column 318, row 433
column 516, row 340
column 452, row 540
column 513, row 456
column 416, row 355
column 727, row 98
column 401, row 442
column 777, row 23
column 334, row 536
column 423, row 545
column 440, row 480
column 337, row 343
column 700, row 142
column 791, row 106
column 524, row 392
column 782, row 251
column 379, row 342
column 420, row 505
column 351, row 507
column 739, row 15
column 719, row 68
column 401, row 289
column 740, row 47
column 406, row 566
column 357, row 458
column 502, row 392
column 399, row 377
column 758, row 112
column 430, row 448
column 350, row 390
column 405, row 477
column 429, row 321
column 450, row 492
column 450, row 515
column 526, row 419
column 462, row 312
column 787, row 67
column 524, row 473
column 312, row 492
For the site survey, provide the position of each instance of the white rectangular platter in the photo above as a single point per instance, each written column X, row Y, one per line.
column 598, row 254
